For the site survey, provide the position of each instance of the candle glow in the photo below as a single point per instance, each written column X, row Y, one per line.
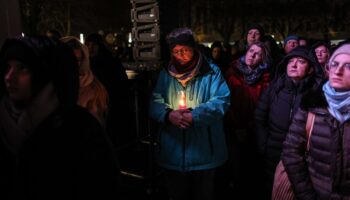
column 182, row 101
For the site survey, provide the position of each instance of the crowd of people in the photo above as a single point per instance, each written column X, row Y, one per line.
column 245, row 112
column 226, row 117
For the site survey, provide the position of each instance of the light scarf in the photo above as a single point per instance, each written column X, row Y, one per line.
column 338, row 103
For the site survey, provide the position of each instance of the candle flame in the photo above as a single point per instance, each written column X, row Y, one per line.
column 182, row 101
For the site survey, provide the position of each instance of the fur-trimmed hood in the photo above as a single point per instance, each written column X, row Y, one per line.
column 314, row 99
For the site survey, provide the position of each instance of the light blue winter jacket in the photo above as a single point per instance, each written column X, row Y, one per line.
column 201, row 146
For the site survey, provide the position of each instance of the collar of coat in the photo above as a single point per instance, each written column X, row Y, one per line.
column 314, row 99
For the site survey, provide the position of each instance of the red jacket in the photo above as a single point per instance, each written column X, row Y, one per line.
column 244, row 98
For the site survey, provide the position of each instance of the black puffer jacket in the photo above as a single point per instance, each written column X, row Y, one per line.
column 274, row 114
column 325, row 172
column 277, row 106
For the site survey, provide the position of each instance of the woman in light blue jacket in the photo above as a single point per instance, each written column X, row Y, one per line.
column 189, row 101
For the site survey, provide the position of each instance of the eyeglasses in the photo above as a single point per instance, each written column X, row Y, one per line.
column 181, row 51
column 334, row 65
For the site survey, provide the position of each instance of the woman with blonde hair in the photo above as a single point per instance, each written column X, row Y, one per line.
column 92, row 94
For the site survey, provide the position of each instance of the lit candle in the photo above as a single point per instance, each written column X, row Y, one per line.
column 182, row 101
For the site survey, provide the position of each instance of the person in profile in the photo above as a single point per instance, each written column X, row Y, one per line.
column 50, row 148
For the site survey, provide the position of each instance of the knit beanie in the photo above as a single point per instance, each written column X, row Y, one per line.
column 258, row 27
column 291, row 37
column 344, row 49
column 181, row 36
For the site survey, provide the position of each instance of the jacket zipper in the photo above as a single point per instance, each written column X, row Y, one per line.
column 292, row 106
column 341, row 132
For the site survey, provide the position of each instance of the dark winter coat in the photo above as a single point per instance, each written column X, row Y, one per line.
column 323, row 172
column 276, row 109
column 110, row 71
column 60, row 160
column 50, row 148
column 274, row 113
column 277, row 106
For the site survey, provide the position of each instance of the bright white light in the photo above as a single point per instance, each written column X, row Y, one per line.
column 130, row 38
column 23, row 34
column 273, row 36
column 82, row 38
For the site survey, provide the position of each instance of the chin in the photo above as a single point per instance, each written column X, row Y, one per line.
column 338, row 87
column 183, row 63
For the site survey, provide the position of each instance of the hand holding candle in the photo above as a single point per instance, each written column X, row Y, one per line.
column 181, row 118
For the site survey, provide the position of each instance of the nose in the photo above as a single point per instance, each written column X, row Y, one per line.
column 11, row 74
column 339, row 69
column 294, row 63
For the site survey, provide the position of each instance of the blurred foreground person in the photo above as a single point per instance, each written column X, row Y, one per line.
column 50, row 148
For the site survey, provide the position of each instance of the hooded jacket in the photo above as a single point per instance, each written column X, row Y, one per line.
column 279, row 103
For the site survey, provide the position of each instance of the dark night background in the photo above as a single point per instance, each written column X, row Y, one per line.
column 223, row 20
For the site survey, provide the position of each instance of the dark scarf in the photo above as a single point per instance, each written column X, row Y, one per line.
column 187, row 67
column 184, row 73
column 251, row 76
